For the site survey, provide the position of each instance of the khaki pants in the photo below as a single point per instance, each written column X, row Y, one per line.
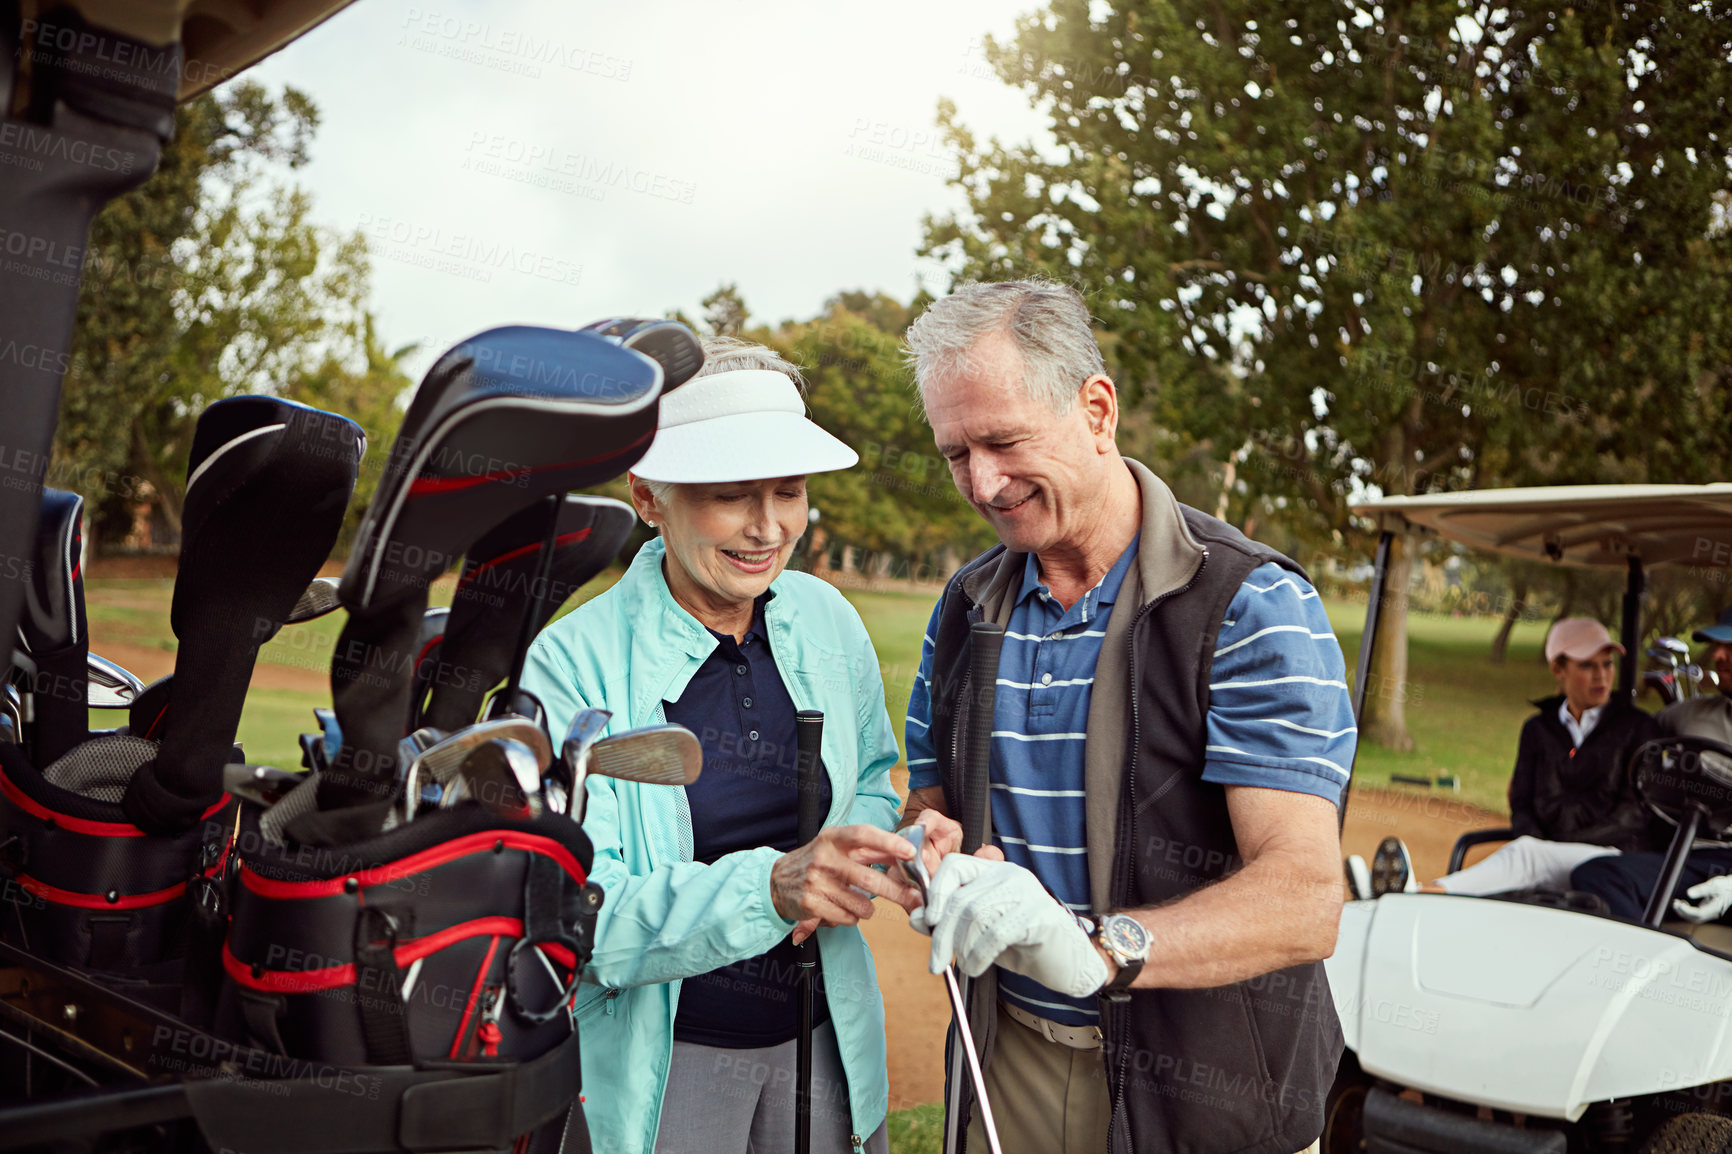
column 1046, row 1097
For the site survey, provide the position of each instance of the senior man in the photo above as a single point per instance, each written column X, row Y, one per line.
column 1171, row 736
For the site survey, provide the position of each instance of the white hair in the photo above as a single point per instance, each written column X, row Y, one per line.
column 1047, row 321
column 724, row 354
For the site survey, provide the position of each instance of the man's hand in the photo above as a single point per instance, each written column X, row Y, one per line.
column 943, row 836
column 820, row 883
column 984, row 912
column 1712, row 899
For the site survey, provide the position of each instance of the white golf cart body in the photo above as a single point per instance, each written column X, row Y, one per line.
column 1522, row 1008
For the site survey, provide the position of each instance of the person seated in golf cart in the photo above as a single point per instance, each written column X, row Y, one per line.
column 688, row 1010
column 1704, row 890
column 1570, row 798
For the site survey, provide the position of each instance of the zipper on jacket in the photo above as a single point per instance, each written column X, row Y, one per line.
column 857, row 1142
column 1128, row 873
column 607, row 1001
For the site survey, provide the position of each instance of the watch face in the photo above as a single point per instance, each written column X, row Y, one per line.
column 1125, row 936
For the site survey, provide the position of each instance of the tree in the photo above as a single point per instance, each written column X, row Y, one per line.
column 725, row 311
column 899, row 501
column 1418, row 245
column 208, row 280
column 368, row 391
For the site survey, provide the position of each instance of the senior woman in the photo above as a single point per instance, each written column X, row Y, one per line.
column 687, row 1010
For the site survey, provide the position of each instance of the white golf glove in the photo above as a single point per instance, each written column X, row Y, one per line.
column 984, row 912
column 1712, row 899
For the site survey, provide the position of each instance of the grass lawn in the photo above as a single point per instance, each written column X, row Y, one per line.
column 1464, row 713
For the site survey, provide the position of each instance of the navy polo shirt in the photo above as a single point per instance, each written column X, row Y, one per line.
column 745, row 798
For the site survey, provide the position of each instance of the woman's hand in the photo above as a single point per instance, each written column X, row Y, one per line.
column 821, row 883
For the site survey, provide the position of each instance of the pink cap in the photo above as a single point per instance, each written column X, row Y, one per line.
column 1580, row 638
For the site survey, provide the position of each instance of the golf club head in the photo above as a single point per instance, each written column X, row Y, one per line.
column 572, row 768
column 409, row 752
column 1673, row 645
column 654, row 755
column 914, row 869
column 442, row 762
column 109, row 686
column 668, row 343
column 319, row 599
column 502, row 774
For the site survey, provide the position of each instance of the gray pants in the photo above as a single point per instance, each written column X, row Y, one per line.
column 742, row 1101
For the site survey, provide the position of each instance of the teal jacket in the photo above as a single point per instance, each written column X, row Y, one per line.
column 666, row 917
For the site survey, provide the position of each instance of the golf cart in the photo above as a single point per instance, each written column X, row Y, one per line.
column 1486, row 1025
column 378, row 953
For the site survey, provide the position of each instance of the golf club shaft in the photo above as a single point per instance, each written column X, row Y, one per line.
column 966, row 1040
column 808, row 742
column 985, row 642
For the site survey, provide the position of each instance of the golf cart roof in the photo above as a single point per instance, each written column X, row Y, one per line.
column 218, row 38
column 1579, row 525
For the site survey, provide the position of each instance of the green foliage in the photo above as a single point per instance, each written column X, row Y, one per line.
column 1412, row 246
column 899, row 500
column 209, row 280
column 367, row 394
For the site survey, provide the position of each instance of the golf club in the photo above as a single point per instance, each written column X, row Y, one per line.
column 502, row 774
column 809, row 811
column 668, row 343
column 109, row 686
column 915, row 872
column 572, row 768
column 979, row 696
column 652, row 755
column 319, row 599
column 442, row 763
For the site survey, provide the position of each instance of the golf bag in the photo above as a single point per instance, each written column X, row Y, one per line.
column 109, row 854
column 450, row 942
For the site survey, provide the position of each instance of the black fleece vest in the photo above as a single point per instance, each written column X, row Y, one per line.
column 1244, row 1067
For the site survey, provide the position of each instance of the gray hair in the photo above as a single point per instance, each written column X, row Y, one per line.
column 723, row 354
column 1047, row 321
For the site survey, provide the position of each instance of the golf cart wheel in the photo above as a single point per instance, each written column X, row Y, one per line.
column 1344, row 1109
column 1691, row 1134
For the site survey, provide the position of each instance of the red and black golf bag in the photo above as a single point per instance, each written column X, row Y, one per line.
column 447, row 947
column 111, row 845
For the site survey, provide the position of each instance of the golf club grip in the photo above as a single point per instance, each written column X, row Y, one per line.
column 809, row 765
column 985, row 641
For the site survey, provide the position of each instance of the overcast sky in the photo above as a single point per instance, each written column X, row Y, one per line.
column 553, row 163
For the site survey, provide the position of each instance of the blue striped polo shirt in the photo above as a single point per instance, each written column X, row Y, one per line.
column 1279, row 717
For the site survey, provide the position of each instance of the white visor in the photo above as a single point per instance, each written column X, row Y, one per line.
column 742, row 425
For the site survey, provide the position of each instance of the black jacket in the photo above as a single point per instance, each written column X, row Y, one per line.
column 1243, row 1067
column 1563, row 793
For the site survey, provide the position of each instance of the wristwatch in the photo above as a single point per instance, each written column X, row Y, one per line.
column 1127, row 943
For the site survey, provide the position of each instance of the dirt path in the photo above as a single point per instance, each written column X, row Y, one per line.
column 917, row 1010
